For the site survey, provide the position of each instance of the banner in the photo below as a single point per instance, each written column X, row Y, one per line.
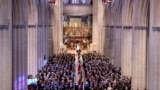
column 104, row 1
column 52, row 1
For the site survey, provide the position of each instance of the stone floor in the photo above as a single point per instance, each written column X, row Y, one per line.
column 77, row 76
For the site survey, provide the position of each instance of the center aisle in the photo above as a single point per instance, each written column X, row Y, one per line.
column 79, row 73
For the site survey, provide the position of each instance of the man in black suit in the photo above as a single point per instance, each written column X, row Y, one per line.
column 78, row 49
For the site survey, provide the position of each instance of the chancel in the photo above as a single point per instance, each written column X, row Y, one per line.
column 79, row 44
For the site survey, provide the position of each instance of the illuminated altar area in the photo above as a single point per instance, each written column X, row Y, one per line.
column 77, row 31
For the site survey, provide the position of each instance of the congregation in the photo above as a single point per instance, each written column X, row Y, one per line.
column 99, row 73
column 58, row 74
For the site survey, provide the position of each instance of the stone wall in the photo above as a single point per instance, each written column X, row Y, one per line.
column 6, row 45
column 132, row 40
column 153, row 54
column 25, row 39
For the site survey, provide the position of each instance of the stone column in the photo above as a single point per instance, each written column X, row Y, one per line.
column 126, row 47
column 58, row 25
column 19, row 58
column 32, row 51
column 116, row 25
column 98, row 26
column 32, row 39
column 47, row 28
column 153, row 63
column 108, row 31
column 51, row 22
column 19, row 45
column 139, row 51
column 126, row 51
column 6, row 45
column 117, row 47
column 41, row 33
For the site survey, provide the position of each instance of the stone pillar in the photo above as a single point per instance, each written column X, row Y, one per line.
column 58, row 25
column 41, row 33
column 51, row 30
column 108, row 31
column 20, row 58
column 153, row 63
column 5, row 45
column 47, row 28
column 116, row 25
column 51, row 25
column 139, row 51
column 98, row 26
column 117, row 47
column 19, row 45
column 126, row 37
column 32, row 51
column 32, row 38
column 126, row 51
column 108, row 42
column 113, row 15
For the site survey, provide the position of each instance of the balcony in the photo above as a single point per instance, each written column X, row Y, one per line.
column 77, row 9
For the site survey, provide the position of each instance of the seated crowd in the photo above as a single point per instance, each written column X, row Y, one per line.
column 100, row 74
column 58, row 74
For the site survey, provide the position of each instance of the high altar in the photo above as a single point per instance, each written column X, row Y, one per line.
column 77, row 32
